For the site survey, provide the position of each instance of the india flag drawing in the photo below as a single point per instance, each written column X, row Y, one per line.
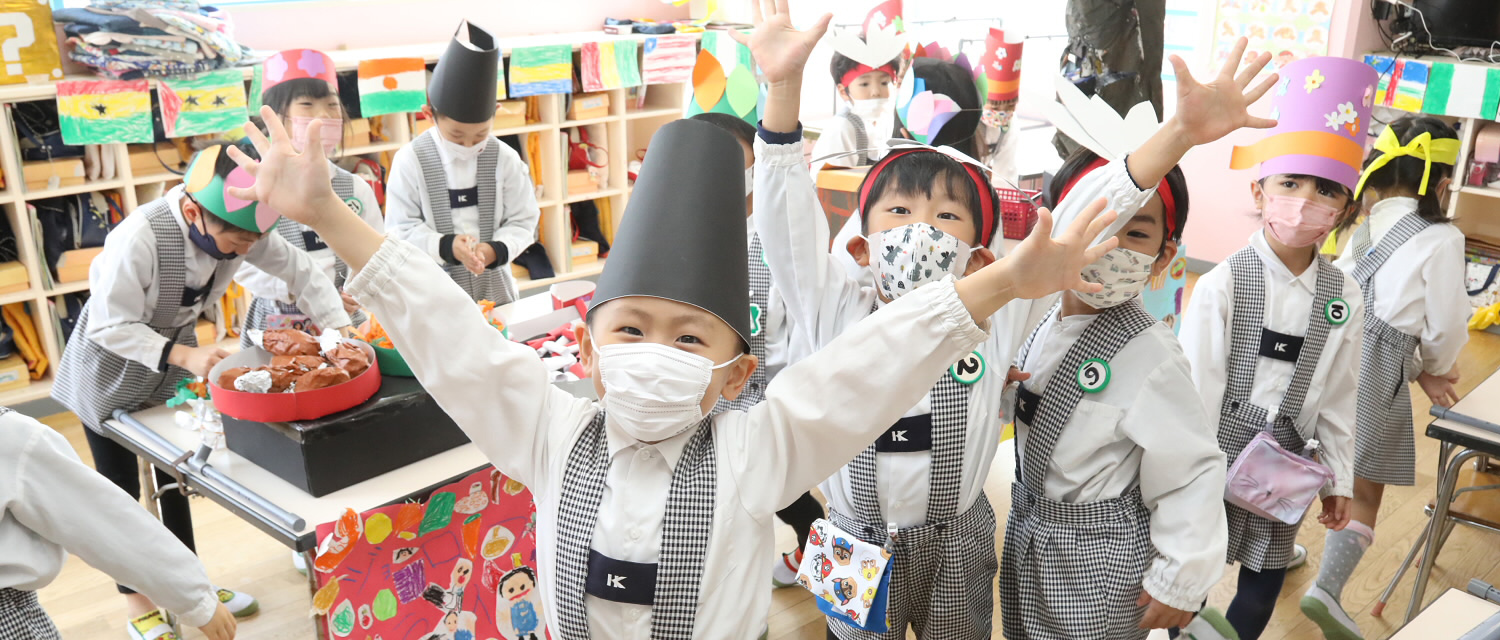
column 104, row 111
column 206, row 103
column 392, row 85
column 609, row 65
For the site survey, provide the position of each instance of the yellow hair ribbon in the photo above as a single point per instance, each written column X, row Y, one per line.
column 1443, row 150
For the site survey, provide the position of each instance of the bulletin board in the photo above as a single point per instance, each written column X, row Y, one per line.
column 1288, row 29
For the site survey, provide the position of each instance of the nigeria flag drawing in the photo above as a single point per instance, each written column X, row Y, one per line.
column 104, row 111
column 205, row 103
column 392, row 85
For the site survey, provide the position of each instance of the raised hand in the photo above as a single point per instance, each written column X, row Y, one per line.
column 296, row 184
column 1042, row 265
column 780, row 49
column 1209, row 111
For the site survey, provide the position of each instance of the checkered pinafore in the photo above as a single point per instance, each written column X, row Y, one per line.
column 686, row 529
column 1385, row 448
column 495, row 285
column 1072, row 571
column 861, row 139
column 93, row 381
column 1254, row 541
column 760, row 295
column 22, row 617
column 301, row 237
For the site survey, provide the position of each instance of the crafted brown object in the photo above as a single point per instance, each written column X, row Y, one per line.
column 291, row 342
column 321, row 379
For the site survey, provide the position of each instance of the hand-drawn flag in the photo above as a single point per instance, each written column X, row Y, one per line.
column 668, row 59
column 206, row 103
column 104, row 111
column 608, row 65
column 392, row 85
column 540, row 70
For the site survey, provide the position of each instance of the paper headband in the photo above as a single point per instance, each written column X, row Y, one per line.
column 877, row 48
column 1168, row 200
column 977, row 173
column 211, row 190
column 295, row 64
column 861, row 69
column 1423, row 147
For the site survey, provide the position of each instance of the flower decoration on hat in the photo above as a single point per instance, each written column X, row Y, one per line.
column 1313, row 81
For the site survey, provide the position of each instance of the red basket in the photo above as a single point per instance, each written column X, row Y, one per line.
column 1017, row 212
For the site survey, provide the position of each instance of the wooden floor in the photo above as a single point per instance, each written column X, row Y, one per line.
column 85, row 604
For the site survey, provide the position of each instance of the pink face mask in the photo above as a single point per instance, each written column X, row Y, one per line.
column 1298, row 222
column 332, row 133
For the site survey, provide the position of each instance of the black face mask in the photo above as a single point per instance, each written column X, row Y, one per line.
column 205, row 242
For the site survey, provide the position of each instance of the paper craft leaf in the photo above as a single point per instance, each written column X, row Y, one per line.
column 742, row 91
column 1094, row 124
column 325, row 597
column 876, row 48
column 708, row 81
column 385, row 605
column 907, row 90
column 439, row 512
column 378, row 528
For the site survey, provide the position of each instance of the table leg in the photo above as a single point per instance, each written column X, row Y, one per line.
column 1446, row 481
column 148, row 486
column 320, row 621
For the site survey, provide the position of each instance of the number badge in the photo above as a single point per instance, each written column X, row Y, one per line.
column 355, row 205
column 1337, row 311
column 969, row 369
column 755, row 314
column 1093, row 375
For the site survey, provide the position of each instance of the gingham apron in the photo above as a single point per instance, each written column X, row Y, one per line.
column 1385, row 449
column 22, row 617
column 760, row 295
column 495, row 284
column 93, row 381
column 1254, row 541
column 686, row 528
column 299, row 237
column 1073, row 570
column 861, row 138
column 941, row 571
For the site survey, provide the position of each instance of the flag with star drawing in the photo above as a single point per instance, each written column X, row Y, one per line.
column 104, row 111
column 205, row 103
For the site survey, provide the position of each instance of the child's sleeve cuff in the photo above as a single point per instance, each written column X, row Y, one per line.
column 775, row 137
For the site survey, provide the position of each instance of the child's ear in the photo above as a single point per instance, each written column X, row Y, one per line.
column 1258, row 194
column 843, row 92
column 859, row 248
column 585, row 345
column 979, row 259
column 739, row 376
column 428, row 113
column 1167, row 255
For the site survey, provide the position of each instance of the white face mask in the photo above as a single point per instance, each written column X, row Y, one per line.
column 749, row 180
column 653, row 391
column 331, row 134
column 871, row 109
column 910, row 256
column 1123, row 273
column 459, row 151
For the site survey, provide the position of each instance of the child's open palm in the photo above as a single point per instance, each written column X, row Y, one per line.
column 780, row 49
column 1042, row 265
column 1212, row 110
column 296, row 184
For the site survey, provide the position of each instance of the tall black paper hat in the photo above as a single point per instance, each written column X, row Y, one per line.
column 684, row 238
column 463, row 83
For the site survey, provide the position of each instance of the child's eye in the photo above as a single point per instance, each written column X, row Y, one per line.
column 631, row 331
column 1138, row 234
column 900, row 211
column 947, row 216
column 1289, row 184
column 1325, row 193
column 689, row 340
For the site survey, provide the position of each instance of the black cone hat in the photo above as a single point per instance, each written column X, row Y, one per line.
column 463, row 83
column 683, row 237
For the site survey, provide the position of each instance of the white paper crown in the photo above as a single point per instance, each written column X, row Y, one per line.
column 876, row 48
column 1094, row 124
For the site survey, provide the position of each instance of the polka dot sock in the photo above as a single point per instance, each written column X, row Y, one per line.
column 1342, row 551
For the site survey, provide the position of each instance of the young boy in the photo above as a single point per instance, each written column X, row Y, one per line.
column 652, row 520
column 867, row 120
column 135, row 340
column 51, row 504
column 456, row 192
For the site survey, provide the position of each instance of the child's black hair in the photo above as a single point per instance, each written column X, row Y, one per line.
column 280, row 97
column 841, row 65
column 951, row 80
column 1073, row 168
column 521, row 570
column 919, row 174
column 741, row 130
column 1403, row 175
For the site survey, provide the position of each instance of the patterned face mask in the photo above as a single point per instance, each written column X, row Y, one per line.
column 910, row 256
column 1122, row 272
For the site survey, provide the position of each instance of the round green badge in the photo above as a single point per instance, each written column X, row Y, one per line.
column 1093, row 375
column 1337, row 312
column 969, row 369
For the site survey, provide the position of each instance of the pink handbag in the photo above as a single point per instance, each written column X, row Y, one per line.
column 1274, row 483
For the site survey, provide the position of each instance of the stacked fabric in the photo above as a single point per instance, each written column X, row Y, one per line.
column 130, row 39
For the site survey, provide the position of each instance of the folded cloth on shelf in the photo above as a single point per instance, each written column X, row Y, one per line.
column 127, row 39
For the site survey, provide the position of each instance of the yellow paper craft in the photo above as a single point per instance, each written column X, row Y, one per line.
column 708, row 81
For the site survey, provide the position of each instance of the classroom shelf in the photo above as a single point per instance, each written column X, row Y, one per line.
column 87, row 187
column 380, row 147
column 155, row 178
column 568, row 124
column 69, row 287
column 19, row 296
column 593, row 195
column 1488, row 192
column 634, row 114
column 37, row 390
column 584, row 271
column 530, row 128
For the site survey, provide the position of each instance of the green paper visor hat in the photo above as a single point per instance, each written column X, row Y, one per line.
column 209, row 189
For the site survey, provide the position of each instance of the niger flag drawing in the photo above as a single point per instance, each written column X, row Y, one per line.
column 392, row 85
column 205, row 103
column 104, row 111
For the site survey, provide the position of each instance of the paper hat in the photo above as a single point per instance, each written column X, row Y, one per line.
column 686, row 236
column 1322, row 108
column 923, row 112
column 1001, row 65
column 208, row 189
column 463, row 83
column 294, row 64
column 724, row 80
column 886, row 13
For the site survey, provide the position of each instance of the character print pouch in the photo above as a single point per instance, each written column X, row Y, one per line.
column 851, row 578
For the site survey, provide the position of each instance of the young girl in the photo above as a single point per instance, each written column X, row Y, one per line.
column 1274, row 332
column 1409, row 260
column 868, row 117
column 768, row 343
column 51, row 505
column 298, row 97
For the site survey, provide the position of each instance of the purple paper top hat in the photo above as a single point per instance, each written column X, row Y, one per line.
column 1322, row 107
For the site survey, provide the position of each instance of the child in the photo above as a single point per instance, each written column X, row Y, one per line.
column 867, row 120
column 768, row 343
column 298, row 96
column 1273, row 333
column 135, row 340
column 641, row 484
column 51, row 504
column 456, row 192
column 1409, row 260
column 1117, row 519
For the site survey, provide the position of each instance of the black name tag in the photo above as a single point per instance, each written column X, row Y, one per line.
column 460, row 198
column 1026, row 405
column 1279, row 346
column 620, row 581
column 312, row 241
column 907, row 435
column 191, row 297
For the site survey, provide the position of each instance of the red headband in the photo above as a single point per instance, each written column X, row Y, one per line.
column 986, row 193
column 1169, row 203
column 853, row 74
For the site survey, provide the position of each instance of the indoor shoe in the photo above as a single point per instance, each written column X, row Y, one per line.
column 151, row 626
column 1299, row 557
column 299, row 563
column 1209, row 624
column 1324, row 609
column 785, row 573
column 239, row 603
